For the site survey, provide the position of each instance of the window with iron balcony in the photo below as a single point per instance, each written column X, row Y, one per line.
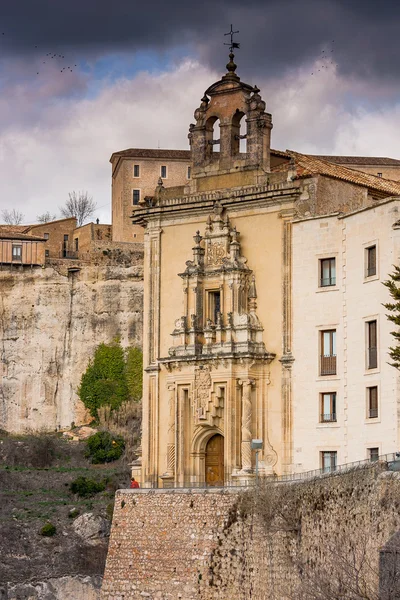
column 328, row 407
column 328, row 460
column 372, row 345
column 328, row 352
column 372, row 402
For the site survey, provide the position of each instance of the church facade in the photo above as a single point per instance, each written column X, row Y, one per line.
column 221, row 345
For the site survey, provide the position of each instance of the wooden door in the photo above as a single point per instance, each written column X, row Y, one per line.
column 215, row 461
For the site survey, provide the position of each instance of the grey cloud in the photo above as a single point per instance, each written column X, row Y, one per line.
column 273, row 35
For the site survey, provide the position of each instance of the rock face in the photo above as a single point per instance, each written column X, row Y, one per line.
column 63, row 588
column 91, row 528
column 51, row 321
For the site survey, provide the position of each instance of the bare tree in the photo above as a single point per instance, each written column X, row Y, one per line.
column 12, row 217
column 46, row 217
column 79, row 205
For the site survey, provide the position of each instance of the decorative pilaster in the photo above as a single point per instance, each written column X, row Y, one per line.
column 246, row 424
column 171, row 433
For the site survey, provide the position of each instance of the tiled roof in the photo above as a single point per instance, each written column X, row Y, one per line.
column 152, row 153
column 365, row 161
column 307, row 166
column 4, row 235
column 13, row 228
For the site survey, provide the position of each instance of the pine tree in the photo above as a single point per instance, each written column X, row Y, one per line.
column 393, row 285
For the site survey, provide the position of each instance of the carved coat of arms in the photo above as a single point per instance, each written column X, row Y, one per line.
column 215, row 254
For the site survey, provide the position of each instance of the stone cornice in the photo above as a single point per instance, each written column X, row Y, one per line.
column 234, row 198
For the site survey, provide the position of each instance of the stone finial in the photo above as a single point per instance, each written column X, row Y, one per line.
column 252, row 296
column 197, row 238
column 231, row 66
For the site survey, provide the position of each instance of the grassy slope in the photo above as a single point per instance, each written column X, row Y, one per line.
column 35, row 475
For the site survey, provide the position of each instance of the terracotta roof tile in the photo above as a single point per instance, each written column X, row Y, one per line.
column 360, row 160
column 152, row 153
column 13, row 228
column 20, row 236
column 307, row 165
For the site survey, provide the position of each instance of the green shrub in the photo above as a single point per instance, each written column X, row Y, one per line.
column 104, row 381
column 134, row 373
column 84, row 487
column 110, row 511
column 48, row 530
column 73, row 513
column 103, row 447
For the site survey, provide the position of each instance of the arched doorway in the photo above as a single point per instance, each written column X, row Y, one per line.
column 214, row 466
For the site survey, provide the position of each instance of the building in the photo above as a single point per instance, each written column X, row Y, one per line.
column 19, row 249
column 345, row 393
column 135, row 174
column 233, row 333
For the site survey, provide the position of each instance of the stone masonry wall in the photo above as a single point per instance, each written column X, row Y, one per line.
column 51, row 321
column 292, row 541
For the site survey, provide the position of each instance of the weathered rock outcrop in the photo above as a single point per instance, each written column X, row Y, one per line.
column 51, row 321
column 63, row 588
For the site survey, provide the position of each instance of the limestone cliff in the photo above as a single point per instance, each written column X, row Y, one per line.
column 51, row 320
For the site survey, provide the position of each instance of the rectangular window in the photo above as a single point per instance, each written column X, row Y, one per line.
column 328, row 407
column 214, row 305
column 163, row 172
column 328, row 461
column 373, row 454
column 189, row 172
column 372, row 400
column 328, row 352
column 372, row 349
column 370, row 261
column 16, row 252
column 327, row 272
column 136, row 170
column 46, row 236
column 76, row 244
column 47, row 253
column 65, row 238
column 379, row 174
column 136, row 196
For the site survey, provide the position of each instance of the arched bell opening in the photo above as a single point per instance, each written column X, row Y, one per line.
column 239, row 133
column 212, row 137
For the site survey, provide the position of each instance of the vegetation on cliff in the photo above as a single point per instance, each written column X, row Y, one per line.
column 394, row 308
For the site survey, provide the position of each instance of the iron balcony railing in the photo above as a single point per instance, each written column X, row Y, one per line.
column 327, row 364
column 328, row 418
column 372, row 358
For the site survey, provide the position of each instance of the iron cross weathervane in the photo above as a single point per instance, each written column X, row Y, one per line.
column 233, row 44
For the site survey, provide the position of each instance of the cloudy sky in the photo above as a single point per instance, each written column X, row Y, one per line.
column 80, row 79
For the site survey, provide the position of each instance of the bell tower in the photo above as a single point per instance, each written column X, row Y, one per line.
column 230, row 111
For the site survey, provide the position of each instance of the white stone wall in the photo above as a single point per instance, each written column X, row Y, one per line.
column 346, row 307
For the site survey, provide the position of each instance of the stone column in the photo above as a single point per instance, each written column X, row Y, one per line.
column 246, row 424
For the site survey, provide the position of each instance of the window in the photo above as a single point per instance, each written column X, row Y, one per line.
column 327, row 272
column 328, row 461
column 16, row 252
column 189, row 172
column 163, row 172
column 379, row 174
column 328, row 352
column 373, row 454
column 136, row 170
column 370, row 261
column 214, row 305
column 76, row 244
column 47, row 253
column 46, row 236
column 372, row 350
column 65, row 238
column 372, row 402
column 328, row 407
column 136, row 196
